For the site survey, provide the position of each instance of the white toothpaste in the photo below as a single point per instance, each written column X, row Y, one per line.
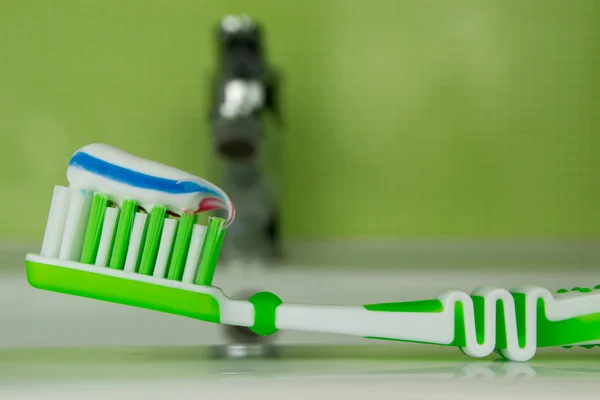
column 121, row 176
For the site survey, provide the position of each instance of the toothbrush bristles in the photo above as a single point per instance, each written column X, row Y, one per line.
column 96, row 231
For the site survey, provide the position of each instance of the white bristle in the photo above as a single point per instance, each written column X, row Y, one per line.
column 135, row 241
column 106, row 239
column 76, row 222
column 191, row 263
column 164, row 248
column 55, row 226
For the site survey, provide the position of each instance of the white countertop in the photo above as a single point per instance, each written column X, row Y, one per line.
column 59, row 346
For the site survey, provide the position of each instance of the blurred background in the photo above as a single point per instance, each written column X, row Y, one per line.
column 459, row 134
column 406, row 121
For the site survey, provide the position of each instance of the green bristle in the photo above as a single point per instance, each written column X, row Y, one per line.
column 94, row 228
column 112, row 243
column 152, row 240
column 217, row 251
column 141, row 251
column 123, row 231
column 181, row 246
column 210, row 251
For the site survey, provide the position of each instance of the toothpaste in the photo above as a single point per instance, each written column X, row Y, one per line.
column 122, row 176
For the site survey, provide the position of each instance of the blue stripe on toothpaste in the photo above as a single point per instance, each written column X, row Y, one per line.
column 137, row 179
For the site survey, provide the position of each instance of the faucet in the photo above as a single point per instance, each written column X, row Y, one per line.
column 244, row 106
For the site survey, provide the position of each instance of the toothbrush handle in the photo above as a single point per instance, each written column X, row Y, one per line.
column 514, row 323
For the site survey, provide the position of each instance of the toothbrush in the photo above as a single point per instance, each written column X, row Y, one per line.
column 125, row 231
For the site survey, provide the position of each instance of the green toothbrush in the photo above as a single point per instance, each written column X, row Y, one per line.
column 125, row 231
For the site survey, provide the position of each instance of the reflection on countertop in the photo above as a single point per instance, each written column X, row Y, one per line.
column 290, row 363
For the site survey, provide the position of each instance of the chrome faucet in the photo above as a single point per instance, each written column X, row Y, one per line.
column 246, row 162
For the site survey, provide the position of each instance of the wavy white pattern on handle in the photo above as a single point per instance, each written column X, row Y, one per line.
column 439, row 327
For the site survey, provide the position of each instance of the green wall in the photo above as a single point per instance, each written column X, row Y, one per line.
column 405, row 118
